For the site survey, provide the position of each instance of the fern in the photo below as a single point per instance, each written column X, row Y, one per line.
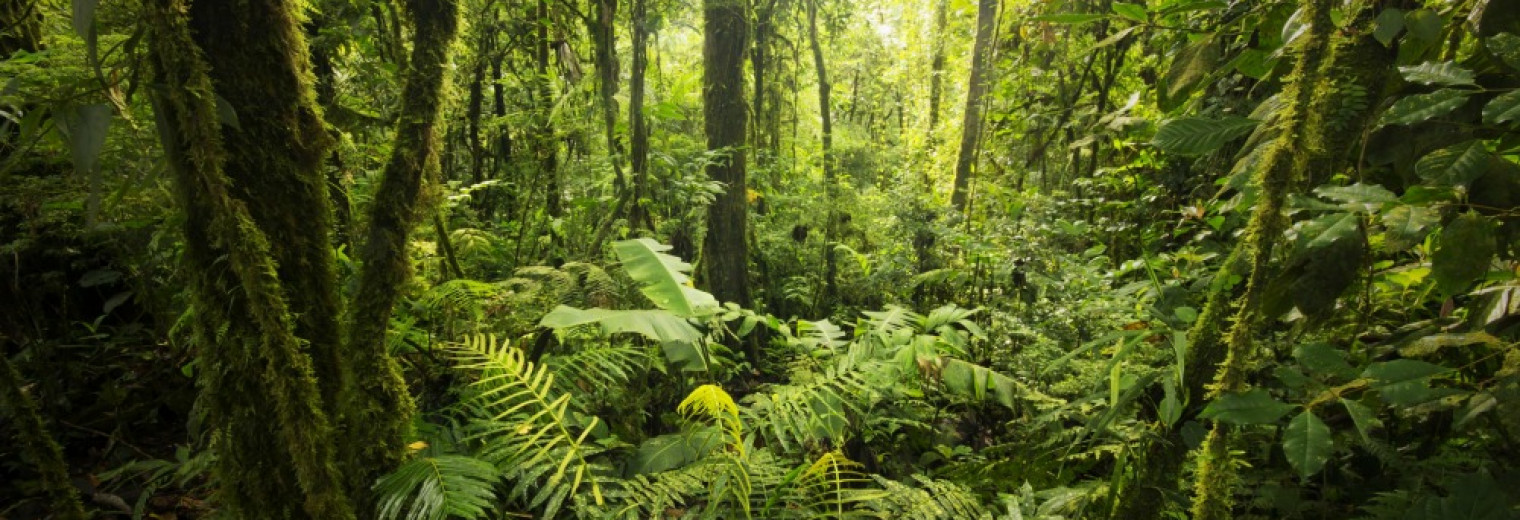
column 711, row 403
column 598, row 365
column 460, row 295
column 529, row 434
column 934, row 499
column 834, row 487
column 434, row 488
column 814, row 414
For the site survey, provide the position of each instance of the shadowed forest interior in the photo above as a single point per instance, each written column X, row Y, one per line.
column 776, row 259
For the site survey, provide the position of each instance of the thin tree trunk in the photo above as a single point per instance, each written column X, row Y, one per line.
column 937, row 67
column 37, row 445
column 976, row 87
column 640, row 145
column 377, row 406
column 830, row 183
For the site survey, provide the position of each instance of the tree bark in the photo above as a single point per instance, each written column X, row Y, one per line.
column 377, row 405
column 639, row 214
column 725, row 252
column 830, row 188
column 976, row 87
column 256, row 227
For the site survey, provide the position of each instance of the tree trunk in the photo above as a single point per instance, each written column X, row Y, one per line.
column 639, row 216
column 976, row 87
column 37, row 445
column 830, row 188
column 937, row 67
column 377, row 406
column 725, row 252
column 257, row 227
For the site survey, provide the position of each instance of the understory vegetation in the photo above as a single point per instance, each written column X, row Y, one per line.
column 646, row 259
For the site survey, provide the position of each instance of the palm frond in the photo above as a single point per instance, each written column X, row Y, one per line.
column 834, row 487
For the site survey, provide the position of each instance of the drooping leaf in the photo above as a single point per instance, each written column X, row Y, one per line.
column 1390, row 23
column 1463, row 252
column 1417, row 108
column 1307, row 444
column 1324, row 358
column 978, row 382
column 1444, row 73
column 1368, row 196
column 1362, row 417
column 1192, row 64
column 1404, row 382
column 672, row 451
column 87, row 126
column 663, row 278
column 1255, row 406
column 1132, row 11
column 1069, row 18
column 657, row 325
column 1405, row 226
column 1502, row 109
column 1506, row 46
column 1197, row 136
column 1456, row 165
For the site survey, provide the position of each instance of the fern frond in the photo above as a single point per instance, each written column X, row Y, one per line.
column 459, row 295
column 931, row 500
column 834, row 487
column 600, row 365
column 434, row 488
column 814, row 414
column 529, row 433
column 710, row 402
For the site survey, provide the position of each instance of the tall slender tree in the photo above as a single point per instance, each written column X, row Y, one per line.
column 976, row 88
column 725, row 250
column 830, row 182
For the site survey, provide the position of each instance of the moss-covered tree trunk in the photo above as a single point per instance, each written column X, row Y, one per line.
column 377, row 407
column 247, row 176
column 37, row 446
column 1301, row 151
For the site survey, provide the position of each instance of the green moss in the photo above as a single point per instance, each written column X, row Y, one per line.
column 271, row 431
column 36, row 445
column 377, row 407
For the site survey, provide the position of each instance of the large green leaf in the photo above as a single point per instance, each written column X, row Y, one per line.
column 1405, row 382
column 1463, row 252
column 1506, row 46
column 1390, row 22
column 1456, row 165
column 654, row 324
column 1502, row 109
column 680, row 341
column 1363, row 418
column 1307, row 444
column 1324, row 358
column 1405, row 226
column 663, row 278
column 977, row 381
column 1197, row 135
column 1423, row 107
column 1432, row 73
column 1190, row 66
column 671, row 451
column 1255, row 406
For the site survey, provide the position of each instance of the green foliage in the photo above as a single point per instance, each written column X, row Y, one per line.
column 434, row 488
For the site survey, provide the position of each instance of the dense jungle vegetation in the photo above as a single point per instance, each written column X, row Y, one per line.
column 658, row 259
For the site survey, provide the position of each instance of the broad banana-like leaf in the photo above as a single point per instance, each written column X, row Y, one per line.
column 663, row 278
column 680, row 341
